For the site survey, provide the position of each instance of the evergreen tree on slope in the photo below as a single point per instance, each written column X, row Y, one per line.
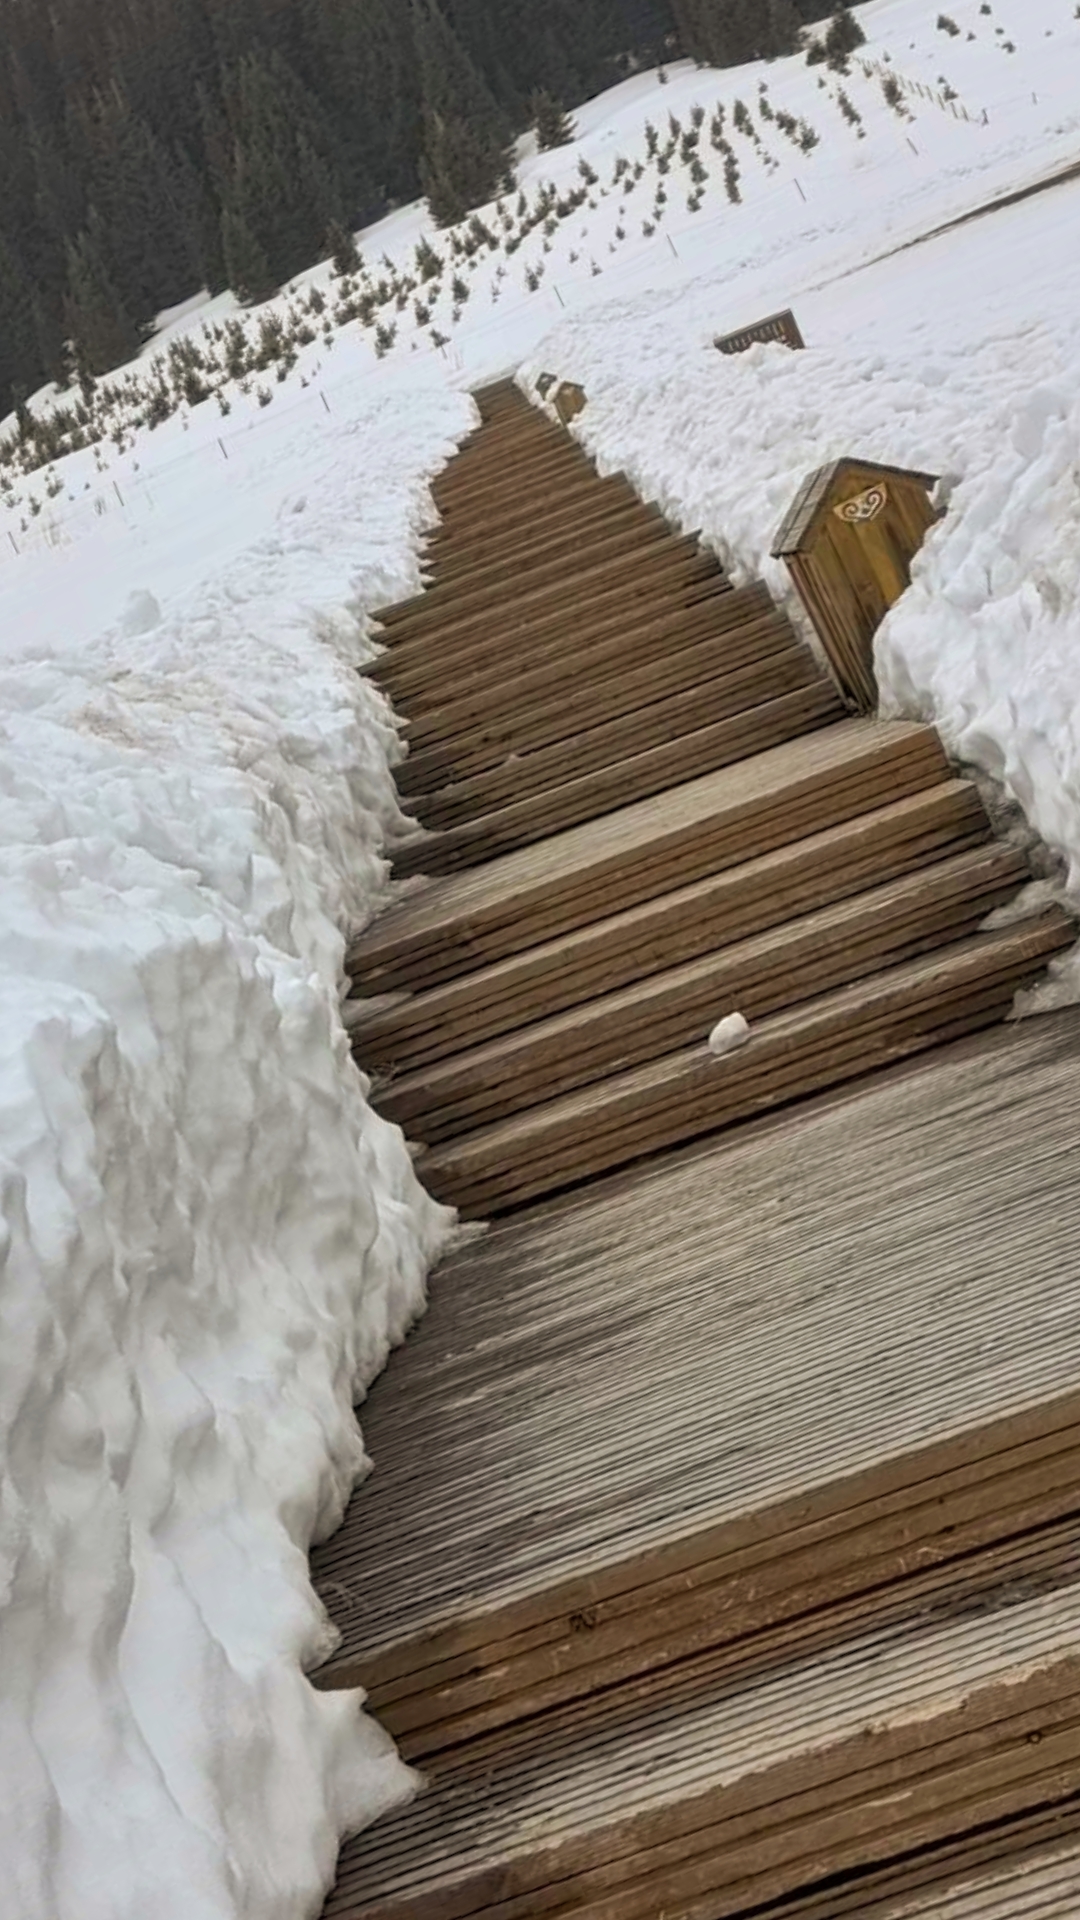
column 464, row 161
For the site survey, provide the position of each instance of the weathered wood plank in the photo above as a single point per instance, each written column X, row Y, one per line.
column 880, row 845
column 740, row 1792
column 794, row 1339
column 641, row 851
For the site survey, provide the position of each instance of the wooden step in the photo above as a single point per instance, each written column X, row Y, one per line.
column 552, row 808
column 1027, row 1860
column 550, row 641
column 876, row 847
column 537, row 474
column 617, row 673
column 518, row 575
column 465, row 566
column 643, row 851
column 937, row 1548
column 654, row 724
column 1041, row 1882
column 517, row 512
column 720, row 1797
column 452, row 553
column 419, row 674
column 652, row 553
column 764, row 1376
column 695, row 647
column 852, row 1031
column 781, row 968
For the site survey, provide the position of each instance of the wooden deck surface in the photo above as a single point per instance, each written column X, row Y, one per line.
column 722, row 1553
column 615, row 1390
column 729, row 1788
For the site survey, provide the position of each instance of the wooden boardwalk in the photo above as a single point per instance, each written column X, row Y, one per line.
column 723, row 1552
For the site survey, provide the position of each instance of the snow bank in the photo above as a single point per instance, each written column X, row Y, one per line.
column 951, row 379
column 209, row 1240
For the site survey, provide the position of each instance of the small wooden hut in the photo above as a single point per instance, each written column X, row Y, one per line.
column 849, row 541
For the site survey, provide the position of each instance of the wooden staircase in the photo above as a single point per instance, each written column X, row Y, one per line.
column 723, row 1555
column 647, row 809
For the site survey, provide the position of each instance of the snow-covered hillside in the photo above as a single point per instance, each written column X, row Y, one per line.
column 209, row 1238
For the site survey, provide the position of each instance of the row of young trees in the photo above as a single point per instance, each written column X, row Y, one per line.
column 152, row 147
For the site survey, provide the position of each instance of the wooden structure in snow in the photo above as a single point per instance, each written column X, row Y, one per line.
column 849, row 541
column 776, row 326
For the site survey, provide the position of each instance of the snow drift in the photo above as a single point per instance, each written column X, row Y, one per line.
column 209, row 1240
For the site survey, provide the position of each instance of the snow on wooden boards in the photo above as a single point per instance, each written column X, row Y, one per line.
column 729, row 1793
column 745, row 1382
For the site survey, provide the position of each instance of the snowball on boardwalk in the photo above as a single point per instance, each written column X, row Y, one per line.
column 728, row 1035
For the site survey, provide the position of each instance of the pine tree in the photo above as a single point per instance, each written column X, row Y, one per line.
column 451, row 86
column 198, row 221
column 464, row 162
column 783, row 28
column 246, row 265
column 344, row 253
column 21, row 364
column 554, row 127
column 843, row 36
column 726, row 33
column 103, row 334
column 459, row 169
column 280, row 183
column 127, row 180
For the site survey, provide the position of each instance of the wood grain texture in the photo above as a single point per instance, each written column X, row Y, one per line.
column 818, row 1298
column 723, row 1553
column 734, row 1793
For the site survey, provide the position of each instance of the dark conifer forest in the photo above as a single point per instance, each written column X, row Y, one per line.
column 149, row 148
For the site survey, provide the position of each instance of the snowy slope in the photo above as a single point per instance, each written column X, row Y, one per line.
column 210, row 1240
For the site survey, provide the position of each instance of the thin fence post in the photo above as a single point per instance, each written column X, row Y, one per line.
column 221, row 444
column 324, row 400
column 672, row 245
column 802, row 195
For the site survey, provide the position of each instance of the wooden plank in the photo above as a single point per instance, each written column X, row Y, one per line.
column 964, row 1868
column 675, row 928
column 641, row 851
column 737, row 627
column 555, row 805
column 703, row 701
column 930, row 1546
column 780, row 968
column 1042, row 1885
column 521, row 577
column 741, row 1793
column 699, row 650
column 612, row 498
column 843, row 1034
column 657, row 560
column 550, row 644
column 798, row 1341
